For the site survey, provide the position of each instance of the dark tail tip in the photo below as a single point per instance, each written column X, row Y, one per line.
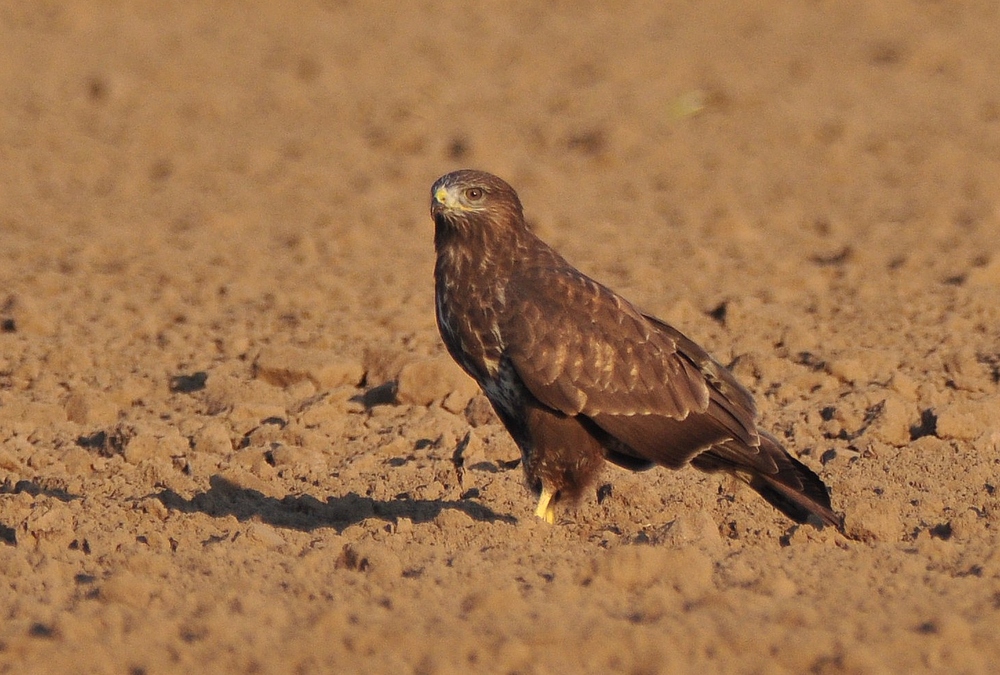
column 795, row 489
column 799, row 506
column 786, row 483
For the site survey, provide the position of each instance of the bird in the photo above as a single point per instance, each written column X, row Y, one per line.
column 579, row 376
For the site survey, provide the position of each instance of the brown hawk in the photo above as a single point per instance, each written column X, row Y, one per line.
column 578, row 375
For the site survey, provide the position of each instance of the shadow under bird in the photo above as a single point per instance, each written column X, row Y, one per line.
column 578, row 375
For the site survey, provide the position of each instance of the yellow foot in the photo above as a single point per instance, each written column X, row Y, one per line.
column 546, row 507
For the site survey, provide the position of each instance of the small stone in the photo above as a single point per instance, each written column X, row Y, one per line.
column 91, row 409
column 141, row 446
column 695, row 528
column 458, row 400
column 867, row 522
column 8, row 461
column 453, row 519
column 213, row 438
column 249, row 458
column 382, row 363
column 285, row 455
column 370, row 558
column 893, row 424
column 264, row 534
column 246, row 417
column 489, row 448
column 479, row 411
column 905, row 386
column 155, row 508
column 148, row 444
column 966, row 420
column 328, row 411
column 287, row 365
column 77, row 461
column 428, row 380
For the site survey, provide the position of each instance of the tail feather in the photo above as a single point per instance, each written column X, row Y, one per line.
column 785, row 482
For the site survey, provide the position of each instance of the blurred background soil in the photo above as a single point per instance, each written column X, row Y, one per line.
column 231, row 441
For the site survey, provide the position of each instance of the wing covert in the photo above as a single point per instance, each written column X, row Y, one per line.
column 579, row 348
column 583, row 350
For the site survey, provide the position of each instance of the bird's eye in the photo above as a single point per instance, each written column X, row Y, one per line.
column 474, row 194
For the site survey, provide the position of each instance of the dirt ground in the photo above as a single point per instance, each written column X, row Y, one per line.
column 231, row 440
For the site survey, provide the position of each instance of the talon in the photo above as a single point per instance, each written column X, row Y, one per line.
column 546, row 507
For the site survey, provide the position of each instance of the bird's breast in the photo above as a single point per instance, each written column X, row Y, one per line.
column 468, row 311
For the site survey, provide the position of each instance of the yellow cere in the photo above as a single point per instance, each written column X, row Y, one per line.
column 445, row 196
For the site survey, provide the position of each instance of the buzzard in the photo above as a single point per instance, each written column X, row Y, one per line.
column 578, row 375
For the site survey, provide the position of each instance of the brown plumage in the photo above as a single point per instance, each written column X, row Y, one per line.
column 578, row 375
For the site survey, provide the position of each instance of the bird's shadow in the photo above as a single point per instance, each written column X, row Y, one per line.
column 306, row 513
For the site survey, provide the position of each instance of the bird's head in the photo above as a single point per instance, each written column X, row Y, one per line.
column 472, row 201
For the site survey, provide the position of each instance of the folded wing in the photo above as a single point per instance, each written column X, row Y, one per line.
column 583, row 350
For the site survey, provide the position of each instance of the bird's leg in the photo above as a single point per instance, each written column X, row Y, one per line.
column 546, row 506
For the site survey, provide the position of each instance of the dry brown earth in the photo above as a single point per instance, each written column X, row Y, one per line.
column 228, row 429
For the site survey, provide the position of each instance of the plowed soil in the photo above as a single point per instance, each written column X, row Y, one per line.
column 230, row 437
